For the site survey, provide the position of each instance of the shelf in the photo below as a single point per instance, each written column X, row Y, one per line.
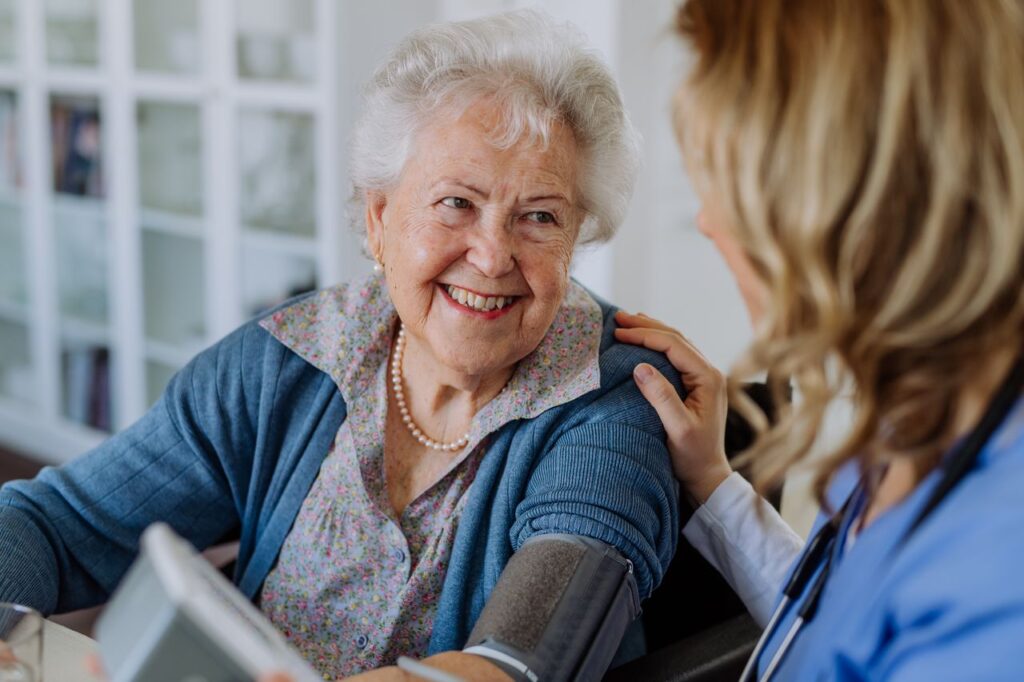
column 74, row 205
column 172, row 356
column 52, row 441
column 168, row 87
column 277, row 242
column 178, row 170
column 84, row 331
column 72, row 81
column 278, row 96
column 167, row 222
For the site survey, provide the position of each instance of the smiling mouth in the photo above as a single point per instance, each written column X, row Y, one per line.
column 479, row 302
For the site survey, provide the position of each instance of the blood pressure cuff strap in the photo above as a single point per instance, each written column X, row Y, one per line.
column 559, row 610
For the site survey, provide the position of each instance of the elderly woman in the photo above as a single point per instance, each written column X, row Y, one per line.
column 457, row 435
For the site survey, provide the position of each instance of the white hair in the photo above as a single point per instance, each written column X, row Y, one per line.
column 536, row 70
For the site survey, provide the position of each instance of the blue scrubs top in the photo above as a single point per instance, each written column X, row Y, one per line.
column 948, row 604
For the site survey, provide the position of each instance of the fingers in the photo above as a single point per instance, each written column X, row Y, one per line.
column 629, row 320
column 683, row 355
column 662, row 396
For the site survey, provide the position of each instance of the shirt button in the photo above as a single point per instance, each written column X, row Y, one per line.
column 362, row 641
column 399, row 556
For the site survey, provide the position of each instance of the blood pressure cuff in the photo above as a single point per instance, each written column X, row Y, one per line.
column 558, row 611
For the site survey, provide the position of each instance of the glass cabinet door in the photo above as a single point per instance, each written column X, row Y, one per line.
column 158, row 375
column 269, row 278
column 79, row 220
column 13, row 281
column 81, row 252
column 13, row 276
column 167, row 36
column 275, row 40
column 8, row 32
column 72, row 32
column 17, row 380
column 173, row 284
column 170, row 158
column 171, row 210
column 80, row 238
column 277, row 160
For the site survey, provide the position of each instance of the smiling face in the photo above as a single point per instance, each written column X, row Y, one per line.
column 477, row 241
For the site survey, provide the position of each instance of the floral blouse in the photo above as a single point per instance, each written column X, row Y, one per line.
column 355, row 587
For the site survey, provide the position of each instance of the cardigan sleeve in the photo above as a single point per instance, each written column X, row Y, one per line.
column 607, row 475
column 69, row 535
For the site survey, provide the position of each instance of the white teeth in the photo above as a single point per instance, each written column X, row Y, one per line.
column 477, row 302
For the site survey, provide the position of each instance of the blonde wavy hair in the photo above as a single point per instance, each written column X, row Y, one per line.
column 869, row 155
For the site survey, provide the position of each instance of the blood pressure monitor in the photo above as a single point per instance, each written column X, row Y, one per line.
column 176, row 618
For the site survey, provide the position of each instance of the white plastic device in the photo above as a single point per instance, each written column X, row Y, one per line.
column 175, row 617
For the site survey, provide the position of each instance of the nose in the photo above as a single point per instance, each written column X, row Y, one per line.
column 492, row 248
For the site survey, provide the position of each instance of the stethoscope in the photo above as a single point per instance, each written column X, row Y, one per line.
column 820, row 551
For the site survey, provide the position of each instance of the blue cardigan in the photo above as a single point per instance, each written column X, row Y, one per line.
column 237, row 440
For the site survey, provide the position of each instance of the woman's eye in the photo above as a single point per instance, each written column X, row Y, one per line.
column 455, row 202
column 542, row 217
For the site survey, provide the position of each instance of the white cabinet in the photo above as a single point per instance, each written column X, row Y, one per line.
column 167, row 171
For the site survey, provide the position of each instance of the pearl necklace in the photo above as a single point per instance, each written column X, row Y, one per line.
column 403, row 408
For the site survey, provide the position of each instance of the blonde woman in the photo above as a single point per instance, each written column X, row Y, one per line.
column 862, row 171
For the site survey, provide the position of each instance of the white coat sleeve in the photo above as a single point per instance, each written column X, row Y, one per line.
column 746, row 540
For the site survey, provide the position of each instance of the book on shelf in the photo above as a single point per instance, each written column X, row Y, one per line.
column 87, row 386
column 76, row 139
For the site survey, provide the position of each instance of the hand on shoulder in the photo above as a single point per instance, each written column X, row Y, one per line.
column 694, row 424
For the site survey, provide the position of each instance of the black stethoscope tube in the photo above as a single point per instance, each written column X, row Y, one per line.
column 819, row 550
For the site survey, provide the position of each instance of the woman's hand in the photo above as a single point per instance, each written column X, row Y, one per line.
column 695, row 426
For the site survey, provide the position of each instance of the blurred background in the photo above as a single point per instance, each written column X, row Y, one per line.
column 169, row 169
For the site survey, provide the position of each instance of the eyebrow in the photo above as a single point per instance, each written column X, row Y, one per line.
column 547, row 197
column 460, row 183
column 472, row 188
